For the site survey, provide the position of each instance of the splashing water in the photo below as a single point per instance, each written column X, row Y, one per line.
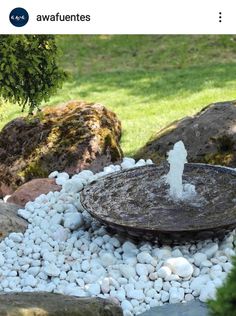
column 177, row 157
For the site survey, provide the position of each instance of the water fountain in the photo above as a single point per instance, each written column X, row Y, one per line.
column 189, row 202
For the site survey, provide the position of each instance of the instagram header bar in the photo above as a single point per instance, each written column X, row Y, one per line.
column 118, row 17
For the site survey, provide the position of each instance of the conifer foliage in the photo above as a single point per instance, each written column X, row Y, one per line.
column 225, row 303
column 29, row 72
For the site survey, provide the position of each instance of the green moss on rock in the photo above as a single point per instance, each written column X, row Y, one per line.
column 209, row 136
column 70, row 138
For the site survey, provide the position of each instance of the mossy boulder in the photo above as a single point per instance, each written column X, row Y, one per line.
column 70, row 138
column 209, row 136
column 10, row 221
column 49, row 304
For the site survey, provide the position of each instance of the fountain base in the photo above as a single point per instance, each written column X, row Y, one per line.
column 136, row 202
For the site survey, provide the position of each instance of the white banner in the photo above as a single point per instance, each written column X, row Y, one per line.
column 118, row 17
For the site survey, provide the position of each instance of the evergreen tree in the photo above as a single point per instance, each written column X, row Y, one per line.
column 29, row 73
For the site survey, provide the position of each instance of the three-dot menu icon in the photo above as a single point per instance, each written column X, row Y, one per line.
column 220, row 17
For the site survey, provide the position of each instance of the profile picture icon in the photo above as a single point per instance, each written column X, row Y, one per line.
column 19, row 17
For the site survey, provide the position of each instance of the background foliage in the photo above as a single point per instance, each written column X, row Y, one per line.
column 148, row 81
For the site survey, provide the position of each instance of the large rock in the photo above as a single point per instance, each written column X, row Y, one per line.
column 68, row 138
column 48, row 304
column 30, row 190
column 193, row 308
column 10, row 221
column 209, row 136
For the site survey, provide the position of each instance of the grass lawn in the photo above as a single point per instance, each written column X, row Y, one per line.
column 148, row 81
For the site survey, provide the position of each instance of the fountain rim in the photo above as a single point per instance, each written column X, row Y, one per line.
column 220, row 168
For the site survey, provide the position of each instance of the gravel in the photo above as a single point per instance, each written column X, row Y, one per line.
column 66, row 251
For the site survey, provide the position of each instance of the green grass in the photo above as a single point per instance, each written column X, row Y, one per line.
column 148, row 81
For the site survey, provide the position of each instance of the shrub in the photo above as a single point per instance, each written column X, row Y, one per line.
column 225, row 303
column 29, row 72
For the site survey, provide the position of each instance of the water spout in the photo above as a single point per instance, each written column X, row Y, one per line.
column 177, row 157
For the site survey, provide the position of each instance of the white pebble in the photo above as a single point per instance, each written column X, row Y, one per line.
column 210, row 250
column 164, row 296
column 93, row 289
column 176, row 295
column 180, row 266
column 126, row 305
column 73, row 220
column 108, row 259
column 199, row 258
column 141, row 269
column 164, row 272
column 144, row 257
column 51, row 270
column 127, row 271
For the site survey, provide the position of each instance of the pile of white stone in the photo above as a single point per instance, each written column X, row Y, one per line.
column 65, row 251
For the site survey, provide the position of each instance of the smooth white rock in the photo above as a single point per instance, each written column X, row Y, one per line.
column 188, row 297
column 141, row 269
column 176, row 295
column 229, row 252
column 85, row 265
column 207, row 292
column 166, row 286
column 73, row 185
column 33, row 271
column 23, row 213
column 121, row 294
column 126, row 305
column 129, row 248
column 29, row 280
column 176, row 253
column 158, row 284
column 107, row 259
column 180, row 266
column 61, row 234
column 51, row 269
column 206, row 263
column 151, row 293
column 93, row 289
column 78, row 292
column 16, row 237
column 227, row 266
column 144, row 257
column 136, row 294
column 2, row 260
column 127, row 271
column 164, row 296
column 73, row 220
column 153, row 276
column 60, row 180
column 196, row 272
column 161, row 253
column 56, row 219
column 127, row 163
column 199, row 282
column 199, row 257
column 210, row 250
column 53, row 174
column 164, row 272
column 140, row 163
column 105, row 285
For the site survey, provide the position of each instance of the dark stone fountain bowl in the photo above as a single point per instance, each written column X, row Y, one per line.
column 136, row 202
